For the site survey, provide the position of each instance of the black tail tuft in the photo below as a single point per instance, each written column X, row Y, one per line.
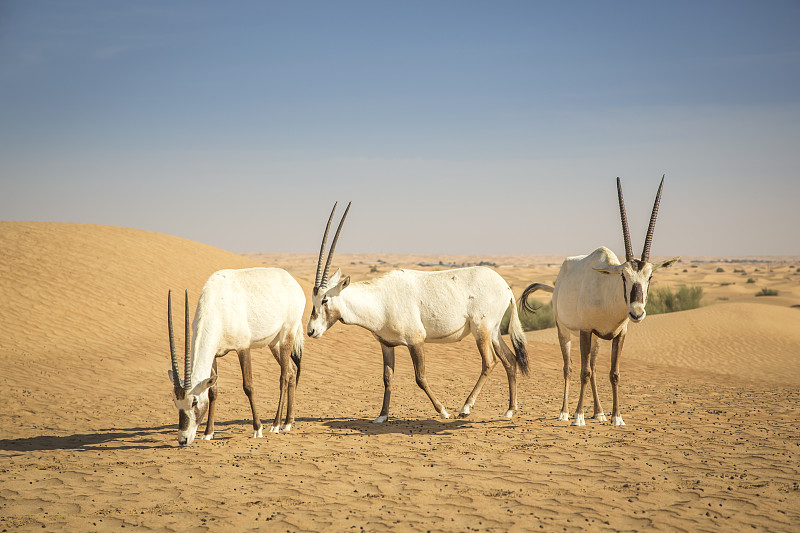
column 533, row 287
column 297, row 355
column 521, row 354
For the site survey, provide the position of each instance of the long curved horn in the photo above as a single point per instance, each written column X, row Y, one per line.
column 176, row 378
column 187, row 378
column 648, row 240
column 322, row 248
column 626, row 234
column 333, row 247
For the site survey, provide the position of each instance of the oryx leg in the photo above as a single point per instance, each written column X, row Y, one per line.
column 212, row 405
column 586, row 372
column 509, row 361
column 488, row 362
column 616, row 351
column 247, row 385
column 291, row 368
column 388, row 376
column 598, row 409
column 565, row 341
column 418, row 358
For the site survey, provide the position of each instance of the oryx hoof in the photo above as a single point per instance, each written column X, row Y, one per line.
column 207, row 436
column 275, row 429
column 563, row 416
column 509, row 414
column 381, row 419
column 579, row 421
column 601, row 417
column 464, row 412
column 286, row 427
column 617, row 421
column 257, row 434
column 444, row 413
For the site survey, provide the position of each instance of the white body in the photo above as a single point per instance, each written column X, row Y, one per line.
column 410, row 308
column 587, row 300
column 239, row 310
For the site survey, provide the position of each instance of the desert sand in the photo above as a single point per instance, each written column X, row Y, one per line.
column 87, row 432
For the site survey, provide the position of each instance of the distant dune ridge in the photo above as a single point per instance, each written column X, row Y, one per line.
column 87, row 433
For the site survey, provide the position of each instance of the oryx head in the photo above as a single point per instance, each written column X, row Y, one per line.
column 324, row 311
column 637, row 273
column 191, row 401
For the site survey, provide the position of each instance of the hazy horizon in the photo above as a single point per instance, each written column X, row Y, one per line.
column 456, row 128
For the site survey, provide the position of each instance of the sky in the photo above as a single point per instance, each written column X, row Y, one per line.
column 454, row 127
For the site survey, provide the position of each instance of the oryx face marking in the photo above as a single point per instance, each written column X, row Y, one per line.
column 191, row 411
column 636, row 282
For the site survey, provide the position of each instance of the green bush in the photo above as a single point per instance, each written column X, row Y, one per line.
column 542, row 319
column 665, row 300
column 750, row 280
column 767, row 292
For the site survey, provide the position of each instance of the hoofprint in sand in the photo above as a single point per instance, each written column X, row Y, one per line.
column 88, row 430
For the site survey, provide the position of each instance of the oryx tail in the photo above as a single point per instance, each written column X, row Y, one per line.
column 297, row 349
column 518, row 339
column 533, row 287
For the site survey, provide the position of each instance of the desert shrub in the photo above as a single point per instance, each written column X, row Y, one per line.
column 720, row 269
column 666, row 300
column 750, row 280
column 541, row 319
column 767, row 292
column 373, row 269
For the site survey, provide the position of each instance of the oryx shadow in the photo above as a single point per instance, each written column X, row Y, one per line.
column 101, row 439
column 403, row 426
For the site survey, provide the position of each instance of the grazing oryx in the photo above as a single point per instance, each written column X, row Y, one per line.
column 596, row 296
column 410, row 308
column 238, row 310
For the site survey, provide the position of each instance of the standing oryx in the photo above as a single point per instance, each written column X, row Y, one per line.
column 238, row 310
column 596, row 296
column 410, row 308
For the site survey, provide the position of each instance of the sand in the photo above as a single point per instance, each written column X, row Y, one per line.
column 87, row 435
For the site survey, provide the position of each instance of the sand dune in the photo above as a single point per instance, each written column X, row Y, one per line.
column 87, row 436
column 756, row 341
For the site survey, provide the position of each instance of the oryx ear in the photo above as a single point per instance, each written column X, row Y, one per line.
column 342, row 285
column 666, row 264
column 204, row 385
column 335, row 278
column 171, row 379
column 614, row 270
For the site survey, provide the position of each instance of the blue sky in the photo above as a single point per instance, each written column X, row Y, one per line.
column 456, row 127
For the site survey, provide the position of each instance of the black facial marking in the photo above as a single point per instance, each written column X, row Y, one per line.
column 183, row 420
column 625, row 289
column 637, row 294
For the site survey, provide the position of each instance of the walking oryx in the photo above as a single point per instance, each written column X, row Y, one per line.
column 238, row 310
column 410, row 308
column 596, row 296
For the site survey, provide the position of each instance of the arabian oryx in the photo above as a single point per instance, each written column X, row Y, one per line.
column 596, row 296
column 410, row 308
column 238, row 310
